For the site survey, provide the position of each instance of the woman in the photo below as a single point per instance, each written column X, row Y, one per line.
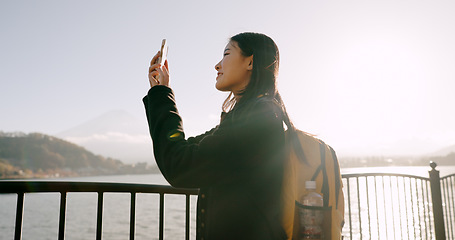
column 238, row 165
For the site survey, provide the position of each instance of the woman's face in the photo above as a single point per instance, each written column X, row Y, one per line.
column 234, row 70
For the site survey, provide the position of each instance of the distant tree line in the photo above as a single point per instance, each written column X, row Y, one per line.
column 448, row 160
column 39, row 154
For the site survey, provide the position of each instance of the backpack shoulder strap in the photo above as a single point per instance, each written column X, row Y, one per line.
column 316, row 173
column 325, row 182
column 296, row 144
column 337, row 175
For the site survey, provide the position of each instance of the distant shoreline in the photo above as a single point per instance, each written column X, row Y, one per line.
column 411, row 170
column 52, row 174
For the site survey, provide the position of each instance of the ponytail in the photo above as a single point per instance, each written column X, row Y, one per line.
column 292, row 136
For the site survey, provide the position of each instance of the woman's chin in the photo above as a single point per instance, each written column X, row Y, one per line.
column 220, row 87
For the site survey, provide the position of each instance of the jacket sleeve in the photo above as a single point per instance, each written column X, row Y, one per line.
column 234, row 149
column 198, row 138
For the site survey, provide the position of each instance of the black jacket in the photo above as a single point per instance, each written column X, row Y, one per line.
column 238, row 165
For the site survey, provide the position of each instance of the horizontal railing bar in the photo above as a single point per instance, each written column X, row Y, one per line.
column 8, row 186
column 448, row 176
column 355, row 175
column 51, row 186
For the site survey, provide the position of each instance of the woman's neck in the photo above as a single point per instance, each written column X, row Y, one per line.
column 237, row 96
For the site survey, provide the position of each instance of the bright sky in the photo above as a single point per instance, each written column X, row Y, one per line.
column 375, row 77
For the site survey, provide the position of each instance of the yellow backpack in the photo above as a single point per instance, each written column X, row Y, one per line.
column 305, row 163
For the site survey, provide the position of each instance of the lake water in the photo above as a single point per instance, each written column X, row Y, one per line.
column 41, row 210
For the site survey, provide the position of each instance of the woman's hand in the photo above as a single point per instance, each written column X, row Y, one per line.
column 158, row 74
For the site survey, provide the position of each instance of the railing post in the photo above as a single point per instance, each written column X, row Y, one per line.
column 99, row 216
column 132, row 215
column 161, row 224
column 19, row 216
column 437, row 202
column 62, row 217
column 187, row 217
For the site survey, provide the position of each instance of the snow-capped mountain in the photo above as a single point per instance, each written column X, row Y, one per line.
column 115, row 134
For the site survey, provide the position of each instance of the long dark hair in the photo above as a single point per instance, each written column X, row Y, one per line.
column 266, row 61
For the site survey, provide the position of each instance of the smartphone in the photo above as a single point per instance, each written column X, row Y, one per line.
column 163, row 53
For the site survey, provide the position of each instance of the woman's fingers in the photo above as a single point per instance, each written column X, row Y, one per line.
column 158, row 74
column 153, row 82
column 153, row 64
column 154, row 74
column 165, row 70
column 154, row 67
column 153, row 78
column 163, row 77
column 157, row 55
column 152, row 71
column 166, row 65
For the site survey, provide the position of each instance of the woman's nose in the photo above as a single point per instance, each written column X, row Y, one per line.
column 217, row 66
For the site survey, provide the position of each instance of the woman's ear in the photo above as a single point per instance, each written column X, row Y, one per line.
column 250, row 63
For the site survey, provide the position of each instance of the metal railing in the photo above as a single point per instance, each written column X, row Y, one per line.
column 448, row 202
column 22, row 187
column 399, row 206
column 377, row 205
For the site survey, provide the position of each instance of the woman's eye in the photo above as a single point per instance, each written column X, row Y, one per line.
column 225, row 54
